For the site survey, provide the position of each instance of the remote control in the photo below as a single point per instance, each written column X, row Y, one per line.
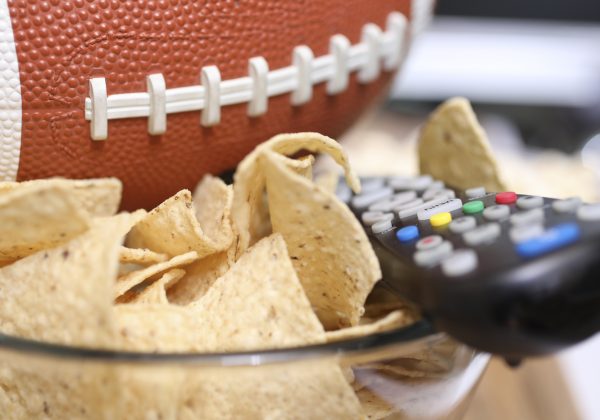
column 510, row 274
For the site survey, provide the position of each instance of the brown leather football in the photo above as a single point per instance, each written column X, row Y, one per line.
column 158, row 93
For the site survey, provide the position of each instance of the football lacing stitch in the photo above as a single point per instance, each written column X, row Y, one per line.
column 377, row 50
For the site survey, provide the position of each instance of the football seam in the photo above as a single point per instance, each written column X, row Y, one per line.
column 377, row 51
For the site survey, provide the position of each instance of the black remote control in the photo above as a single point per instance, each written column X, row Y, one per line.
column 509, row 274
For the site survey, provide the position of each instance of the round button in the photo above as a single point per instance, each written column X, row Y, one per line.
column 485, row 234
column 530, row 202
column 568, row 205
column 440, row 219
column 496, row 212
column 461, row 262
column 381, row 227
column 473, row 207
column 429, row 242
column 369, row 218
column 475, row 192
column 463, row 224
column 407, row 234
column 508, row 197
column 589, row 213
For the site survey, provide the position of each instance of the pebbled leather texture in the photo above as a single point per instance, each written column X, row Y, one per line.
column 62, row 44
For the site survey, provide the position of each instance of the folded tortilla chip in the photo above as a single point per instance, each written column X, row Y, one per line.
column 97, row 197
column 249, row 182
column 454, row 148
column 328, row 247
column 38, row 217
column 157, row 291
column 140, row 256
column 173, row 228
column 393, row 320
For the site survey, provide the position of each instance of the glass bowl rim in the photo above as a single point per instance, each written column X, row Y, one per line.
column 418, row 332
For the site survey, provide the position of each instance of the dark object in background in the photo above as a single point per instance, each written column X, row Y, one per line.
column 572, row 10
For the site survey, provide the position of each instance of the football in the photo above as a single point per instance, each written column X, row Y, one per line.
column 158, row 93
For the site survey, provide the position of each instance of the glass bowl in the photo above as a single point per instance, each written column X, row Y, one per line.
column 408, row 373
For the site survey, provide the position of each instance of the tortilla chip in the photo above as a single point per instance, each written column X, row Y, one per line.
column 157, row 291
column 38, row 217
column 454, row 148
column 373, row 407
column 199, row 277
column 129, row 280
column 328, row 181
column 173, row 228
column 97, row 197
column 258, row 304
column 69, row 286
column 140, row 256
column 249, row 182
column 329, row 248
column 393, row 320
column 212, row 200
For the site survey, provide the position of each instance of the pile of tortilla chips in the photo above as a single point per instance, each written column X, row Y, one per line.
column 272, row 261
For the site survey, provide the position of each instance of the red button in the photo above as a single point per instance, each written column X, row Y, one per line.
column 506, row 198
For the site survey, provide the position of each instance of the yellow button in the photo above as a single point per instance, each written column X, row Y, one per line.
column 440, row 219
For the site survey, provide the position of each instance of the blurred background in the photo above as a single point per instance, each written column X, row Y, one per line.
column 532, row 72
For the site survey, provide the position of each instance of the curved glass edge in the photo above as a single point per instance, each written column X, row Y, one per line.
column 419, row 332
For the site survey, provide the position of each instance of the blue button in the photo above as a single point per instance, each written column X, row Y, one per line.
column 551, row 240
column 407, row 234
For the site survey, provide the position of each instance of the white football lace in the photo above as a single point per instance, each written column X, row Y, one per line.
column 377, row 51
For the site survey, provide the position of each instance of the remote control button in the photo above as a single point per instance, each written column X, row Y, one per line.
column 372, row 184
column 438, row 205
column 407, row 234
column 530, row 202
column 524, row 233
column 461, row 262
column 445, row 193
column 496, row 212
column 421, row 183
column 473, row 207
column 433, row 190
column 482, row 235
column 343, row 192
column 369, row 218
column 568, row 205
column 431, row 257
column 589, row 213
column 552, row 239
column 527, row 217
column 429, row 242
column 475, row 192
column 381, row 227
column 400, row 182
column 463, row 224
column 440, row 219
column 396, row 200
column 506, row 198
column 364, row 200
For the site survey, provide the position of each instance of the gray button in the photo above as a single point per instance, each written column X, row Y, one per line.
column 433, row 189
column 343, row 192
column 371, row 217
column 421, row 183
column 442, row 205
column 463, row 224
column 366, row 199
column 527, row 217
column 382, row 226
column 401, row 182
column 405, row 213
column 589, row 213
column 444, row 192
column 497, row 212
column 429, row 242
column 475, row 192
column 461, row 262
column 396, row 200
column 523, row 233
column 530, row 202
column 568, row 205
column 482, row 235
column 433, row 256
column 372, row 184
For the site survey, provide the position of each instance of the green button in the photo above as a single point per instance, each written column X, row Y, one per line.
column 473, row 207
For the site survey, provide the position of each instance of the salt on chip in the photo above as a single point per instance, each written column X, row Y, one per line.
column 131, row 279
column 140, row 256
column 173, row 228
column 157, row 291
column 97, row 197
column 454, row 148
column 38, row 217
column 249, row 182
column 393, row 320
column 329, row 248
